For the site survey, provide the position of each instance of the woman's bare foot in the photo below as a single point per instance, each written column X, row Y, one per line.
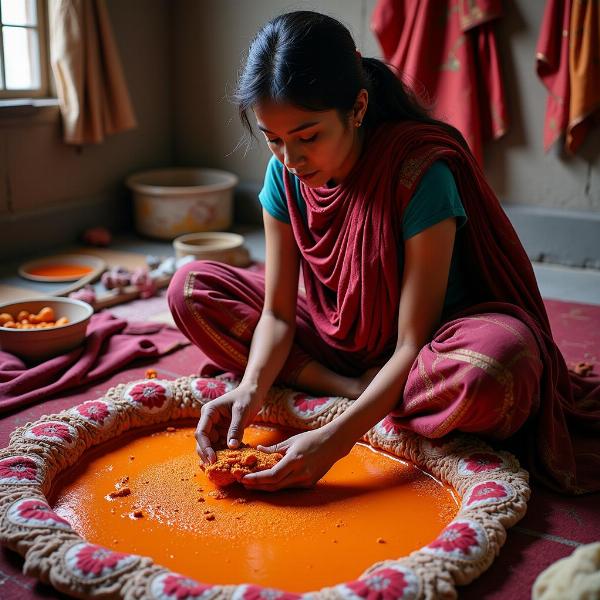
column 317, row 379
column 365, row 379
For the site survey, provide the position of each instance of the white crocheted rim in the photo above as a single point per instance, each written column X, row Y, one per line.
column 493, row 488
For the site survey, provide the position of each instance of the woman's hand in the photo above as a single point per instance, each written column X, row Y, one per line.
column 307, row 457
column 224, row 420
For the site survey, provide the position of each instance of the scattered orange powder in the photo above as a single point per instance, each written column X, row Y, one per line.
column 120, row 493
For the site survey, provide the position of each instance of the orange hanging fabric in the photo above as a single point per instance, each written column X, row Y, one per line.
column 92, row 92
column 568, row 63
column 584, row 66
column 450, row 50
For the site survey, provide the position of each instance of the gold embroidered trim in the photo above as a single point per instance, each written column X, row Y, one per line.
column 210, row 332
column 494, row 369
column 425, row 377
column 239, row 327
column 411, row 168
column 448, row 424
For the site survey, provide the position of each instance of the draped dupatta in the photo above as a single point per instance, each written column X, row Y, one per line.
column 351, row 246
column 350, row 249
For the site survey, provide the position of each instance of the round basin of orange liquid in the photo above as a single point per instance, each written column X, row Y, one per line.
column 58, row 270
column 146, row 494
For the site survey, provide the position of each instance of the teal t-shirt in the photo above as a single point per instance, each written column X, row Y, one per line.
column 435, row 199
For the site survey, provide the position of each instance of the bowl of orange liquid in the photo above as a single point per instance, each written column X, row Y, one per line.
column 62, row 267
column 39, row 328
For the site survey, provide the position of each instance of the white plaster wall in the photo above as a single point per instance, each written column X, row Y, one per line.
column 211, row 36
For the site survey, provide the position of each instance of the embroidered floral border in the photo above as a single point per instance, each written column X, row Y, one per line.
column 493, row 488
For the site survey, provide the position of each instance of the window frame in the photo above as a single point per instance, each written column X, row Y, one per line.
column 43, row 56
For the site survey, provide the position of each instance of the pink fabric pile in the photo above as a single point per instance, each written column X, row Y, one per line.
column 110, row 344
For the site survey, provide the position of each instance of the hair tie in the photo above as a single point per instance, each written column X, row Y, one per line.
column 358, row 54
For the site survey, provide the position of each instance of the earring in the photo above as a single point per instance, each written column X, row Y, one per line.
column 358, row 124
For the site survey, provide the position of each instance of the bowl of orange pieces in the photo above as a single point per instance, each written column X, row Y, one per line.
column 40, row 328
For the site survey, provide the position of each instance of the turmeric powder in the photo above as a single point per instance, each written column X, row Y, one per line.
column 233, row 465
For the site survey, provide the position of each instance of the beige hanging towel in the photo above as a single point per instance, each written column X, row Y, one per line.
column 91, row 87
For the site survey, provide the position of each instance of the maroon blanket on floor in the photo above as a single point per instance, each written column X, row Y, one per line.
column 110, row 344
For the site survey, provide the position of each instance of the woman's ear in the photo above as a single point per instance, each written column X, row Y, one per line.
column 360, row 107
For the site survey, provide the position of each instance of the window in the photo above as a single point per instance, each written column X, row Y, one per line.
column 23, row 49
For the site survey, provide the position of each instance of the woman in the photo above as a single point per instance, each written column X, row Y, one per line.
column 419, row 297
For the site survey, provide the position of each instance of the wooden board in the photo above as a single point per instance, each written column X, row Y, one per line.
column 114, row 258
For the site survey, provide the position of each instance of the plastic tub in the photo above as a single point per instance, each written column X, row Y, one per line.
column 171, row 202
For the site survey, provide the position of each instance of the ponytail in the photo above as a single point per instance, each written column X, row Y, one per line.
column 390, row 99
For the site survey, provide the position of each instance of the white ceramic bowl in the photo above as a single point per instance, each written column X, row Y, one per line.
column 221, row 246
column 39, row 344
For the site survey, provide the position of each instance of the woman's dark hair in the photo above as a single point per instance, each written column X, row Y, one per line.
column 310, row 60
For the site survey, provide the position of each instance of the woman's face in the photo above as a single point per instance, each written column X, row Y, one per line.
column 316, row 146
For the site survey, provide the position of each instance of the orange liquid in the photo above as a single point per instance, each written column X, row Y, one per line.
column 60, row 270
column 296, row 540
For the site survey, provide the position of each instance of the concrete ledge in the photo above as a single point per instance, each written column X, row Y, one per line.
column 564, row 237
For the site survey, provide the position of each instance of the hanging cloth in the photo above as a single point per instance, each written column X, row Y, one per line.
column 447, row 53
column 568, row 64
column 93, row 97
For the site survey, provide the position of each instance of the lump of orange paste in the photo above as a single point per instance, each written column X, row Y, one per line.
column 232, row 465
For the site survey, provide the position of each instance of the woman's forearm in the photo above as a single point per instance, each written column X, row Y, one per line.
column 270, row 347
column 379, row 398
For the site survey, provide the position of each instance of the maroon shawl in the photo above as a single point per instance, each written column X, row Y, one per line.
column 353, row 271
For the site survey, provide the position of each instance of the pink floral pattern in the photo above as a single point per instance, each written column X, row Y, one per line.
column 18, row 469
column 458, row 537
column 94, row 561
column 53, row 430
column 33, row 512
column 255, row 592
column 383, row 584
column 93, row 410
column 149, row 394
column 171, row 586
column 210, row 388
column 389, row 427
column 489, row 490
column 182, row 588
column 481, row 462
column 309, row 406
